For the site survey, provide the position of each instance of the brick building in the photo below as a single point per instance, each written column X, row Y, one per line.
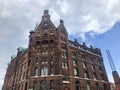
column 53, row 62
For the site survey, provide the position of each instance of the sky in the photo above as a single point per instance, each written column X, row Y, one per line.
column 96, row 22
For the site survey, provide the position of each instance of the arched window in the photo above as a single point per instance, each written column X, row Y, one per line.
column 51, row 85
column 36, row 71
column 96, row 86
column 77, row 85
column 75, row 72
column 44, row 71
column 43, row 85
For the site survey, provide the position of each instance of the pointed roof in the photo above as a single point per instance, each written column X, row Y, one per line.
column 61, row 26
column 46, row 22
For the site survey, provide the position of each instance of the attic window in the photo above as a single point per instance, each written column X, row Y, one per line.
column 45, row 26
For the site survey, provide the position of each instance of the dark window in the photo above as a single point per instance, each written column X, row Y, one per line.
column 37, row 43
column 77, row 85
column 102, row 77
column 105, row 87
column 43, row 85
column 44, row 42
column 51, row 85
column 29, row 63
column 96, row 86
column 26, row 85
column 35, row 85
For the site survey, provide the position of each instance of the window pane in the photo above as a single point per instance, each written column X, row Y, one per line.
column 74, row 62
column 44, row 71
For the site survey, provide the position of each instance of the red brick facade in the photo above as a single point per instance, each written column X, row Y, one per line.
column 53, row 62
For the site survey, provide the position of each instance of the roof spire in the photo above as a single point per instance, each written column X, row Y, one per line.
column 61, row 21
column 46, row 12
column 46, row 15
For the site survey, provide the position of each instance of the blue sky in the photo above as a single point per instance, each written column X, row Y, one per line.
column 97, row 22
